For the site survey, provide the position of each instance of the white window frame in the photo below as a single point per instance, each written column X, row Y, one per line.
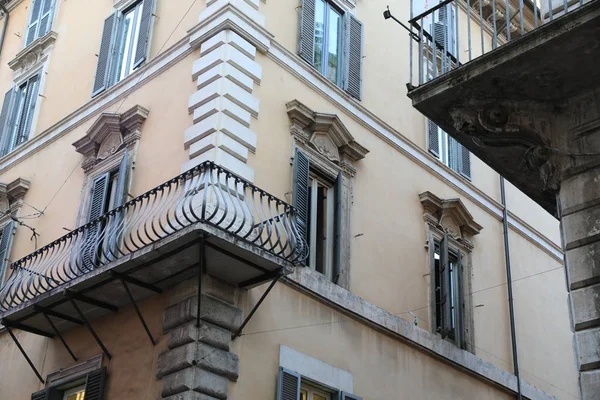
column 128, row 55
column 72, row 391
column 329, row 5
column 315, row 182
column 312, row 390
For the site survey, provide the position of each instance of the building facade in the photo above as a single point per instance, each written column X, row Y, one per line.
column 247, row 151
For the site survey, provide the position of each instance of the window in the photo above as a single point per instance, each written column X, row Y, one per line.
column 17, row 114
column 445, row 148
column 448, row 284
column 125, row 44
column 293, row 386
column 331, row 41
column 40, row 20
column 318, row 202
column 77, row 393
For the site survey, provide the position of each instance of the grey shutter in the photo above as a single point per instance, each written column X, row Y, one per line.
column 47, row 394
column 288, row 385
column 102, row 80
column 5, row 245
column 34, row 21
column 300, row 190
column 41, row 395
column 31, row 95
column 98, row 199
column 306, row 43
column 464, row 161
column 348, row 396
column 353, row 62
column 143, row 44
column 433, row 138
column 122, row 180
column 337, row 244
column 453, row 156
column 94, row 386
column 446, row 304
column 6, row 117
column 460, row 306
column 46, row 17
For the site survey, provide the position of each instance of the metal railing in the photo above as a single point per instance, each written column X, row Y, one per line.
column 207, row 193
column 456, row 31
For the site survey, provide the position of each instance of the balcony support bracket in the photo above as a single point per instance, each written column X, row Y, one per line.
column 14, row 338
column 89, row 326
column 62, row 339
column 278, row 275
column 137, row 311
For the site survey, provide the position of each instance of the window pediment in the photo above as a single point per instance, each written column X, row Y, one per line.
column 324, row 133
column 109, row 134
column 34, row 54
column 12, row 195
column 450, row 214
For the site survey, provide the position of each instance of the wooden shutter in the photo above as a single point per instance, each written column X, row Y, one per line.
column 300, row 190
column 348, row 396
column 46, row 17
column 306, row 43
column 453, row 156
column 47, row 394
column 288, row 385
column 446, row 305
column 98, row 199
column 353, row 56
column 122, row 180
column 30, row 100
column 102, row 80
column 99, row 196
column 41, row 395
column 34, row 21
column 143, row 44
column 5, row 245
column 6, row 117
column 433, row 137
column 460, row 303
column 464, row 161
column 94, row 386
column 337, row 244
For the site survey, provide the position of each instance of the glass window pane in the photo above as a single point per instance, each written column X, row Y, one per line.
column 303, row 395
column 318, row 397
column 335, row 23
column 319, row 33
column 126, row 31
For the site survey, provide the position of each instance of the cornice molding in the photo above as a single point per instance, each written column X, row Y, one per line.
column 447, row 213
column 12, row 195
column 31, row 54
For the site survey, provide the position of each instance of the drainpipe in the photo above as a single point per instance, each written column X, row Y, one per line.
column 4, row 25
column 511, row 308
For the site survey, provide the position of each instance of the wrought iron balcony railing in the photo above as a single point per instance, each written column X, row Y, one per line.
column 454, row 32
column 206, row 194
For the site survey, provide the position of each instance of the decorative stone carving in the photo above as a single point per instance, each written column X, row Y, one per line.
column 326, row 135
column 449, row 215
column 34, row 54
column 12, row 195
column 109, row 134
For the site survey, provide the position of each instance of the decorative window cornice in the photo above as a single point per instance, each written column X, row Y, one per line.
column 34, row 53
column 449, row 215
column 109, row 134
column 325, row 134
column 12, row 195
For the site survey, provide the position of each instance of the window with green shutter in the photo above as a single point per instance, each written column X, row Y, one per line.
column 124, row 45
column 40, row 20
column 331, row 40
column 18, row 111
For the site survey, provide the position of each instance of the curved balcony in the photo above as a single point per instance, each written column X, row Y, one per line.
column 249, row 235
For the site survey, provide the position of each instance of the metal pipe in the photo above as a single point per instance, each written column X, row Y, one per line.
column 4, row 25
column 511, row 308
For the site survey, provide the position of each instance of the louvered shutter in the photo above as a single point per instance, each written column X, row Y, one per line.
column 306, row 43
column 94, row 386
column 5, row 245
column 433, row 135
column 353, row 53
column 143, row 44
column 464, row 161
column 97, row 208
column 348, row 396
column 122, row 180
column 300, row 190
column 288, row 385
column 6, row 117
column 47, row 394
column 24, row 124
column 453, row 156
column 41, row 395
column 337, row 244
column 460, row 308
column 34, row 21
column 46, row 17
column 446, row 305
column 103, row 80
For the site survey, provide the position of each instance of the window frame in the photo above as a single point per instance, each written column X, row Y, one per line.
column 318, row 179
column 330, row 6
column 312, row 389
column 456, row 292
column 117, row 75
column 51, row 17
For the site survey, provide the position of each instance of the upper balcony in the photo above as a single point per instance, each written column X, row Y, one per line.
column 206, row 220
column 481, row 68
